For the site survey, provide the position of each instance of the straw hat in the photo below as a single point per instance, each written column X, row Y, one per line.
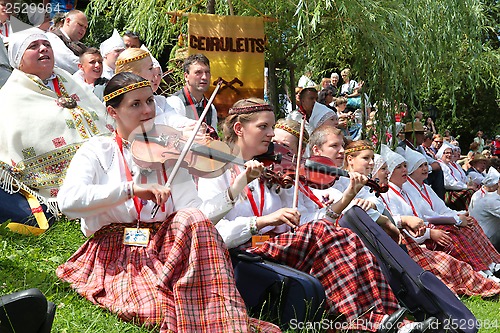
column 477, row 158
column 414, row 127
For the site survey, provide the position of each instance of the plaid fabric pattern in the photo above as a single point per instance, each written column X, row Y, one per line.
column 181, row 282
column 356, row 289
column 457, row 275
column 458, row 200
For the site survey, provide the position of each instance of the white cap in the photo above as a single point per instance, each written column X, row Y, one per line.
column 392, row 159
column 445, row 146
column 492, row 177
column 318, row 112
column 378, row 161
column 414, row 159
column 115, row 42
column 19, row 42
column 156, row 64
column 326, row 116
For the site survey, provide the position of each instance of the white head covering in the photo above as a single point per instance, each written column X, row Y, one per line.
column 492, row 177
column 378, row 161
column 414, row 159
column 156, row 64
column 115, row 42
column 441, row 150
column 326, row 116
column 318, row 112
column 37, row 15
column 392, row 159
column 20, row 41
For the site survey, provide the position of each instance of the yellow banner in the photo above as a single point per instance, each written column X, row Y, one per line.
column 235, row 47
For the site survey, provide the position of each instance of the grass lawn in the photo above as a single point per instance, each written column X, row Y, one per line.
column 29, row 262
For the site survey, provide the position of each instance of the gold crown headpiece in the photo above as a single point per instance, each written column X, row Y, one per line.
column 250, row 109
column 125, row 89
column 291, row 131
column 126, row 61
column 355, row 149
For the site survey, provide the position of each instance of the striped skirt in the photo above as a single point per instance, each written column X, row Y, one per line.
column 458, row 200
column 356, row 289
column 181, row 282
column 457, row 275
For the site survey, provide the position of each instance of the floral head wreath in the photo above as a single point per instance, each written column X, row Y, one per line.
column 250, row 109
column 125, row 89
column 355, row 149
column 126, row 61
column 291, row 131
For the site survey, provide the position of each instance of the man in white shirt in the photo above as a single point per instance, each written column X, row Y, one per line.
column 66, row 41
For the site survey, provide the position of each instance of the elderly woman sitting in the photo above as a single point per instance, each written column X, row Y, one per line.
column 45, row 116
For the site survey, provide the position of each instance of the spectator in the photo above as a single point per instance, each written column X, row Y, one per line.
column 429, row 125
column 90, row 72
column 66, row 41
column 474, row 147
column 57, row 21
column 334, row 78
column 495, row 146
column 132, row 39
column 305, row 80
column 437, row 142
column 447, row 136
column 480, row 141
column 325, row 83
column 309, row 107
column 419, row 116
column 326, row 97
column 5, row 26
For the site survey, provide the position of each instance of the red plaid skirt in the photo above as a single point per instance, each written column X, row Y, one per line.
column 457, row 275
column 354, row 284
column 458, row 200
column 181, row 282
column 471, row 245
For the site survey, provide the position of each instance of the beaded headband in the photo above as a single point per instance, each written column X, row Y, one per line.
column 353, row 150
column 291, row 131
column 126, row 61
column 251, row 108
column 125, row 89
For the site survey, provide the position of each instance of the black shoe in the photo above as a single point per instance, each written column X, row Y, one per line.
column 390, row 325
column 423, row 326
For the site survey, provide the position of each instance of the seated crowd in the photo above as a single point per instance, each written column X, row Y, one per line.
column 157, row 249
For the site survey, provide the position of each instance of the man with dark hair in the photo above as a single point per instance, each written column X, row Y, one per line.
column 190, row 101
column 132, row 39
column 66, row 41
column 308, row 106
column 89, row 74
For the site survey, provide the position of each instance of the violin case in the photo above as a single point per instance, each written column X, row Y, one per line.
column 277, row 293
column 416, row 289
column 26, row 311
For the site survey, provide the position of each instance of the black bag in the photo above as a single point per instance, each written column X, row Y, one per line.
column 26, row 311
column 276, row 292
column 417, row 289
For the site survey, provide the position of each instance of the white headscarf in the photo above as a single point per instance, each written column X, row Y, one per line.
column 19, row 42
column 445, row 146
column 156, row 64
column 414, row 159
column 392, row 159
column 378, row 161
column 492, row 177
column 115, row 42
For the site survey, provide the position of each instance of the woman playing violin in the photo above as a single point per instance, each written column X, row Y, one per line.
column 169, row 271
column 356, row 293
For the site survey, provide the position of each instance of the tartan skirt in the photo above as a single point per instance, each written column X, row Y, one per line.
column 357, row 292
column 459, row 276
column 182, row 281
column 458, row 200
column 471, row 245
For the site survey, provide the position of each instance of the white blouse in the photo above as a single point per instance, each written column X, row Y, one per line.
column 95, row 189
column 235, row 226
column 452, row 177
column 485, row 208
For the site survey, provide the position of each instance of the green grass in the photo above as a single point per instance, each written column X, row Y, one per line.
column 30, row 262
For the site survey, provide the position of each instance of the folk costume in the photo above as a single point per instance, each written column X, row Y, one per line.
column 181, row 278
column 457, row 194
column 66, row 52
column 485, row 207
column 459, row 276
column 113, row 43
column 44, row 123
column 471, row 244
column 186, row 105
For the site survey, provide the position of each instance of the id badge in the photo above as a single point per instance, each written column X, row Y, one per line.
column 136, row 236
column 257, row 241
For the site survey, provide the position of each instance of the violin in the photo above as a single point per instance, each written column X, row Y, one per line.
column 163, row 146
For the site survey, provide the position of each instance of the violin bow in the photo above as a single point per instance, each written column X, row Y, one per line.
column 299, row 158
column 189, row 142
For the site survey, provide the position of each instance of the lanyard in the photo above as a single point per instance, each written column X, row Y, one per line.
column 256, row 211
column 307, row 191
column 6, row 28
column 426, row 196
column 137, row 202
column 55, row 82
column 407, row 201
column 191, row 103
